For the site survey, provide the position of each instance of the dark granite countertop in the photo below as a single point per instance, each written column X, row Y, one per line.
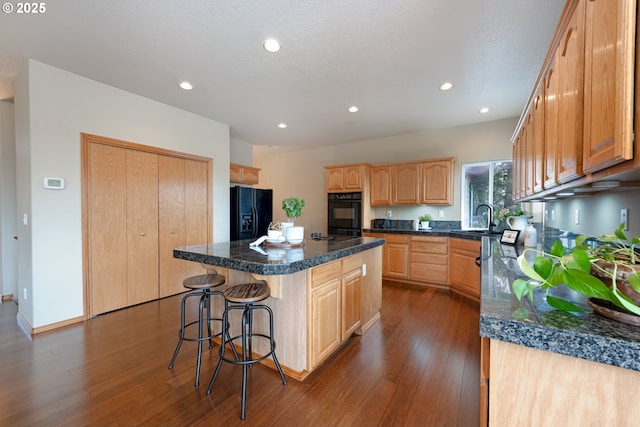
column 589, row 336
column 465, row 234
column 264, row 260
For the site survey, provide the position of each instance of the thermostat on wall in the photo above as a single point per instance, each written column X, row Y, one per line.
column 54, row 183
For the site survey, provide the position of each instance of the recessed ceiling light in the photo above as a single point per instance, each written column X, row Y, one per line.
column 186, row 85
column 446, row 86
column 353, row 109
column 282, row 125
column 271, row 45
column 484, row 110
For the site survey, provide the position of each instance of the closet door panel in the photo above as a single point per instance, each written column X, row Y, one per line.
column 171, row 214
column 196, row 188
column 106, row 232
column 142, row 226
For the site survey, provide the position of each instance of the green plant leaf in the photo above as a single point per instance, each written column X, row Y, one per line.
column 620, row 232
column 586, row 284
column 557, row 249
column 580, row 240
column 519, row 287
column 634, row 281
column 556, row 278
column 527, row 269
column 581, row 259
column 623, row 302
column 564, row 305
column 543, row 266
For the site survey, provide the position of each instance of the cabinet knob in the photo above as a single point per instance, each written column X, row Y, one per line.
column 173, row 232
column 143, row 234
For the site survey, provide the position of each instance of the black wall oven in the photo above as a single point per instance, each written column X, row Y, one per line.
column 344, row 214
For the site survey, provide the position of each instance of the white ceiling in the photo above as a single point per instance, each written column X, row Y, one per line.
column 388, row 57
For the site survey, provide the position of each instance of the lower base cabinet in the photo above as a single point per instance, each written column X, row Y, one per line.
column 464, row 273
column 336, row 305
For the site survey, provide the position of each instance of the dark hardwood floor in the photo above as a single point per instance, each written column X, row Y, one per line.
column 418, row 366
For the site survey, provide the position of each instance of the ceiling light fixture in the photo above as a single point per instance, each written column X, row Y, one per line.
column 271, row 45
column 446, row 86
column 282, row 125
column 186, row 85
column 353, row 109
column 484, row 110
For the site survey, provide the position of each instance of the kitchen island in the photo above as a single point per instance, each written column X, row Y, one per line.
column 550, row 369
column 322, row 292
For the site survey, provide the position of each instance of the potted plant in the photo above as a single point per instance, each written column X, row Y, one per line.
column 607, row 273
column 292, row 207
column 514, row 218
column 424, row 220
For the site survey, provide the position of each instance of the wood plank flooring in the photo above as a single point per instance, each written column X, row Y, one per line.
column 418, row 366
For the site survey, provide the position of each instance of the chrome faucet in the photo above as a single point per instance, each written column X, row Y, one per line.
column 490, row 223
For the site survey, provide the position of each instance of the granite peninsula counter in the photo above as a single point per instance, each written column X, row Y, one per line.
column 321, row 292
column 549, row 370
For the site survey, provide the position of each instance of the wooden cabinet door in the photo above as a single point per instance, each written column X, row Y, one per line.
column 172, row 221
column 406, row 178
column 351, row 302
column 570, row 104
column 464, row 274
column 381, row 185
column 352, row 177
column 142, row 226
column 107, row 183
column 528, row 155
column 437, row 183
column 235, row 173
column 396, row 260
column 537, row 168
column 325, row 320
column 551, row 124
column 609, row 75
column 334, row 179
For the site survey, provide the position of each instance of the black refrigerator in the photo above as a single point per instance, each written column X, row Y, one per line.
column 251, row 212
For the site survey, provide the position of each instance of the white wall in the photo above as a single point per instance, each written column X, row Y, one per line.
column 240, row 152
column 8, row 221
column 598, row 214
column 301, row 172
column 52, row 108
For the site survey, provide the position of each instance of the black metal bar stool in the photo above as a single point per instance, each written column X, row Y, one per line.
column 203, row 286
column 242, row 297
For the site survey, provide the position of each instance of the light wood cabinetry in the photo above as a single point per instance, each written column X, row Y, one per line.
column 464, row 273
column 326, row 325
column 396, row 256
column 609, row 73
column 139, row 204
column 243, row 174
column 336, row 290
column 587, row 118
column 437, row 182
column 406, row 184
column 381, row 178
column 346, row 177
column 429, row 259
column 413, row 183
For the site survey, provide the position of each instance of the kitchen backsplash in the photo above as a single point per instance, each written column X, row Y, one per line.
column 407, row 224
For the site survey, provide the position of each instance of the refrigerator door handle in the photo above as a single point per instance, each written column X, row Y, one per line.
column 254, row 221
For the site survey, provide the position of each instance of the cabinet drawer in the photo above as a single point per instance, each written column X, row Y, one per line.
column 324, row 273
column 428, row 247
column 425, row 258
column 429, row 272
column 351, row 263
column 397, row 238
column 464, row 244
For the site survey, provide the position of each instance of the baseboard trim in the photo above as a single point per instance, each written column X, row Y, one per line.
column 56, row 325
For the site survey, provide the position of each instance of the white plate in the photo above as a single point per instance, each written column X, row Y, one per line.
column 280, row 240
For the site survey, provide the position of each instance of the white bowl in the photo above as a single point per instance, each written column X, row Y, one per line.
column 295, row 241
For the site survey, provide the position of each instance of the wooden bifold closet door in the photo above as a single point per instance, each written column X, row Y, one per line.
column 139, row 205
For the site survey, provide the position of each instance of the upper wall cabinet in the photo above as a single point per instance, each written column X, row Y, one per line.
column 609, row 72
column 437, row 182
column 346, row 177
column 413, row 183
column 243, row 174
column 577, row 128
